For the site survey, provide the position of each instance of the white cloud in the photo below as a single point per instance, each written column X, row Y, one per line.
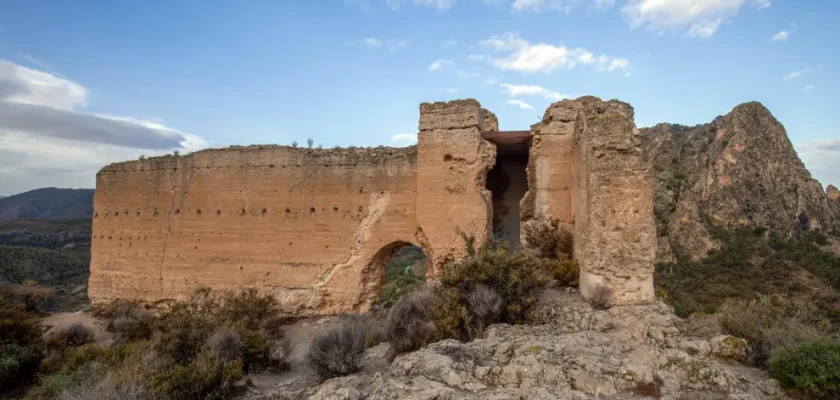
column 451, row 90
column 796, row 74
column 531, row 90
column 696, row 18
column 627, row 74
column 390, row 45
column 439, row 64
column 783, row 35
column 476, row 57
column 704, row 29
column 441, row 5
column 526, row 57
column 449, row 42
column 490, row 80
column 46, row 138
column 523, row 105
column 404, row 137
column 808, row 88
column 560, row 5
column 822, row 158
column 393, row 4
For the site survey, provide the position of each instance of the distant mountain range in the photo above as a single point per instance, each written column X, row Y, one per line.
column 48, row 203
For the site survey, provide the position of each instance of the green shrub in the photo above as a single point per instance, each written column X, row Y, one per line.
column 771, row 322
column 17, row 363
column 812, row 366
column 548, row 238
column 514, row 275
column 206, row 376
column 339, row 351
column 21, row 346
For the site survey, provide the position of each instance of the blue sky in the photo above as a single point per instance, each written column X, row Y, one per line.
column 85, row 84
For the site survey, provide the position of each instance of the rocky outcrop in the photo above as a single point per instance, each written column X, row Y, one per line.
column 740, row 170
column 627, row 352
column 834, row 200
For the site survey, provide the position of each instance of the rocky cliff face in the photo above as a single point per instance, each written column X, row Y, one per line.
column 740, row 170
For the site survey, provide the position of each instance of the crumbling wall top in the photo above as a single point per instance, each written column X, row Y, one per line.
column 454, row 114
column 268, row 155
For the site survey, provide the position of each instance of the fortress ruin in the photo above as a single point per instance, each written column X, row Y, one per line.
column 316, row 227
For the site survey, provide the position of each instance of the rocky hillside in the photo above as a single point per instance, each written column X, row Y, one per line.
column 48, row 203
column 738, row 171
column 626, row 353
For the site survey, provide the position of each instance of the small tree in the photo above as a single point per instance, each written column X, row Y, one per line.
column 176, row 153
column 320, row 147
column 294, row 143
column 309, row 142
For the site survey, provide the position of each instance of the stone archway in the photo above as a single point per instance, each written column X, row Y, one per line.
column 397, row 268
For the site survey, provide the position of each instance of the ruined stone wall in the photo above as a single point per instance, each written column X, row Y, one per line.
column 452, row 165
column 308, row 226
column 315, row 227
column 550, row 168
column 615, row 235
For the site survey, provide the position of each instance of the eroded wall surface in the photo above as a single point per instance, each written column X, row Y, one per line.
column 315, row 227
column 307, row 226
column 452, row 164
column 550, row 167
column 614, row 231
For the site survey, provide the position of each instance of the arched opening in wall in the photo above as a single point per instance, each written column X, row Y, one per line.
column 404, row 270
column 508, row 182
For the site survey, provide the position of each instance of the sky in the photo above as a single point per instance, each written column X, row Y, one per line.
column 84, row 84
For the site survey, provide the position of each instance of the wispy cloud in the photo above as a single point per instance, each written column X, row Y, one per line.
column 390, row 45
column 808, row 88
column 699, row 19
column 797, row 74
column 441, row 5
column 476, row 57
column 404, row 137
column 531, row 90
column 451, row 90
column 436, row 65
column 782, row 35
column 449, row 42
column 527, row 57
column 822, row 157
column 560, row 5
column 523, row 105
column 49, row 139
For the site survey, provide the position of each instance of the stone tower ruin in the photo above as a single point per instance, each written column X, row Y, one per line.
column 316, row 227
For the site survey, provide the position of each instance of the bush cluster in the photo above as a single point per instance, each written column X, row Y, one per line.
column 493, row 284
column 339, row 351
column 196, row 349
column 812, row 366
column 21, row 345
column 771, row 322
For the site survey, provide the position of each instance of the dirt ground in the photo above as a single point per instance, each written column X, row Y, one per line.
column 300, row 374
column 60, row 321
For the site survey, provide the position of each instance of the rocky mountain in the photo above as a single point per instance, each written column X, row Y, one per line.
column 48, row 203
column 738, row 171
